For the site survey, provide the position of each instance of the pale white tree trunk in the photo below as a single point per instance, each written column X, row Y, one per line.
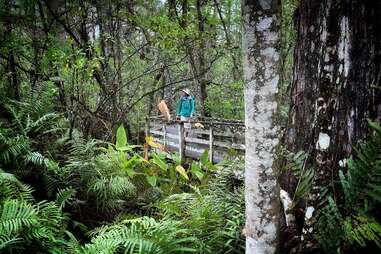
column 261, row 57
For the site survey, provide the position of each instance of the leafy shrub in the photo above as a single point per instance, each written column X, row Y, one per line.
column 214, row 215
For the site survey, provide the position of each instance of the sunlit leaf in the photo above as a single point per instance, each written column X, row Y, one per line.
column 204, row 159
column 121, row 138
column 182, row 172
column 150, row 141
column 159, row 162
column 197, row 171
column 127, row 148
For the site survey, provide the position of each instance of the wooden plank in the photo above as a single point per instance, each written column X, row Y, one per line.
column 146, row 146
column 230, row 145
column 197, row 141
column 168, row 135
column 165, row 134
column 218, row 134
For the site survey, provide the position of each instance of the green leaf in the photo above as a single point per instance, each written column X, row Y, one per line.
column 152, row 180
column 197, row 171
column 128, row 148
column 204, row 159
column 131, row 163
column 159, row 162
column 199, row 175
column 121, row 138
column 375, row 126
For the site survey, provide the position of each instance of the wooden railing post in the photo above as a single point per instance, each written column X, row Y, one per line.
column 181, row 142
column 164, row 134
column 211, row 143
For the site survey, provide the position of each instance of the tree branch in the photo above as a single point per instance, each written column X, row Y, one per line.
column 169, row 84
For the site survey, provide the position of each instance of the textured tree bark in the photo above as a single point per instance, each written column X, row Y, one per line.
column 261, row 77
column 336, row 85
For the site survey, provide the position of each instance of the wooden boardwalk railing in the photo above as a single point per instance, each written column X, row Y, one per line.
column 219, row 136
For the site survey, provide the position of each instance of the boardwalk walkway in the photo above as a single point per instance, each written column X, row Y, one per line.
column 220, row 136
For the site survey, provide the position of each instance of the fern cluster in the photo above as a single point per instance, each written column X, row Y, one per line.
column 143, row 235
column 206, row 220
column 355, row 222
column 29, row 225
column 214, row 215
column 26, row 134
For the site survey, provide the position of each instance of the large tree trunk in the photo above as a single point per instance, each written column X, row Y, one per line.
column 261, row 57
column 336, row 72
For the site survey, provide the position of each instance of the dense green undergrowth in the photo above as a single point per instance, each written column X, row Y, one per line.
column 61, row 195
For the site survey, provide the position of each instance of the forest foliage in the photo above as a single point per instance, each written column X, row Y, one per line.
column 107, row 193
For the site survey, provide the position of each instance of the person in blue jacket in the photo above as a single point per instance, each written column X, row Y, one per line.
column 185, row 108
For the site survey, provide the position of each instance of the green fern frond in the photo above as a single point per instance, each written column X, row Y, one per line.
column 329, row 230
column 65, row 196
column 36, row 158
column 110, row 193
column 7, row 242
column 16, row 215
column 13, row 110
column 177, row 204
column 297, row 163
column 44, row 121
column 362, row 230
column 144, row 235
column 12, row 188
column 215, row 215
column 12, row 147
column 304, row 185
column 361, row 186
